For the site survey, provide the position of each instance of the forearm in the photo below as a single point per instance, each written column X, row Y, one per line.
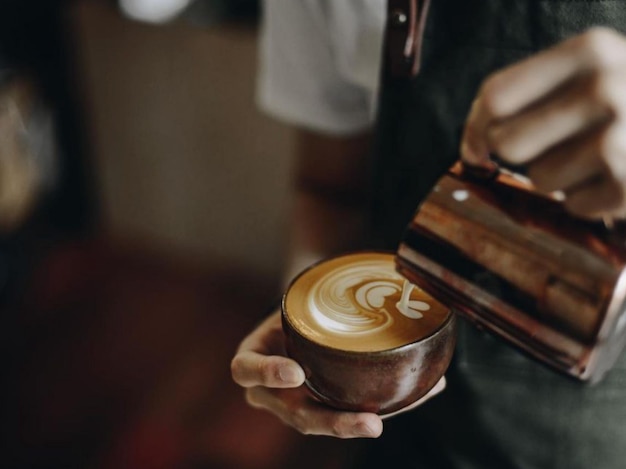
column 330, row 204
column 320, row 228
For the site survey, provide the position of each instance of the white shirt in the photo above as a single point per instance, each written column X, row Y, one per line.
column 319, row 62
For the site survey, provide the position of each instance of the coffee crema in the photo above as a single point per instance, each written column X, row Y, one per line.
column 358, row 302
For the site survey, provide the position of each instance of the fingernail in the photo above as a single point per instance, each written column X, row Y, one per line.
column 365, row 431
column 290, row 375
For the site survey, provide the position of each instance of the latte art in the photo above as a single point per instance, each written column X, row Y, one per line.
column 359, row 302
column 358, row 299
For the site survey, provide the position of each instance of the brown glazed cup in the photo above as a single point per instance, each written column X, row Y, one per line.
column 380, row 381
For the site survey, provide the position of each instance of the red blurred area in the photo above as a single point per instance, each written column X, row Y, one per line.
column 125, row 365
column 119, row 357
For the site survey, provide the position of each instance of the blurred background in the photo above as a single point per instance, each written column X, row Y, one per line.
column 142, row 220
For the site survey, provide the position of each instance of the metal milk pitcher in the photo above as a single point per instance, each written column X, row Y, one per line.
column 514, row 262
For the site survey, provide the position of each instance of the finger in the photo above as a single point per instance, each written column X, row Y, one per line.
column 600, row 153
column 474, row 148
column 514, row 88
column 260, row 359
column 297, row 409
column 534, row 131
column 437, row 389
column 254, row 369
column 569, row 164
column 602, row 197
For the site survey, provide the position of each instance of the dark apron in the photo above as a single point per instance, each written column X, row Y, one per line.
column 501, row 409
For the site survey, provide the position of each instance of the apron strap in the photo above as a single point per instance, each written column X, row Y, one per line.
column 406, row 20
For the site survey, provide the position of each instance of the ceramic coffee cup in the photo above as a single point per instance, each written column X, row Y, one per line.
column 366, row 338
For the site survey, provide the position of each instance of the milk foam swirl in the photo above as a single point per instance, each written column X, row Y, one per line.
column 361, row 298
column 359, row 302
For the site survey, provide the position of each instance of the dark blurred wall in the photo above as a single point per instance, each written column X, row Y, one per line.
column 34, row 42
column 36, row 54
column 236, row 10
column 119, row 350
column 186, row 163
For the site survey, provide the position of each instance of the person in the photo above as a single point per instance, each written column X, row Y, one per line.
column 540, row 84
